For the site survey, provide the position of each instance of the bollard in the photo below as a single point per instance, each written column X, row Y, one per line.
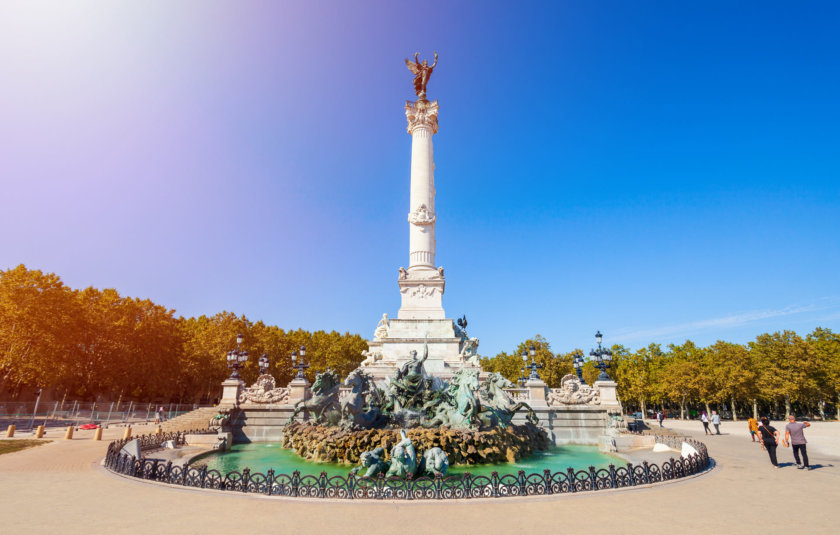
column 69, row 434
column 98, row 434
column 40, row 432
column 127, row 434
column 10, row 432
column 159, row 431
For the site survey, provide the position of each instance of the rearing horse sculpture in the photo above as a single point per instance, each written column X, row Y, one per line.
column 459, row 408
column 324, row 396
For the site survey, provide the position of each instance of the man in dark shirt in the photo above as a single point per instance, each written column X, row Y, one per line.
column 769, row 439
column 795, row 436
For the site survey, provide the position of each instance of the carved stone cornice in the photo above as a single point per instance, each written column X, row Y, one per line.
column 422, row 113
column 421, row 216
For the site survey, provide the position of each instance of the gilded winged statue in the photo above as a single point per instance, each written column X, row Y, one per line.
column 422, row 72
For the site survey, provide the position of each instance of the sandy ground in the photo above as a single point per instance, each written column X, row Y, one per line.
column 60, row 488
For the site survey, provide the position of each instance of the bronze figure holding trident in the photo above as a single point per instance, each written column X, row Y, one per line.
column 422, row 72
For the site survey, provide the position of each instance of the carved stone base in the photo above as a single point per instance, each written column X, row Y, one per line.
column 421, row 292
column 446, row 354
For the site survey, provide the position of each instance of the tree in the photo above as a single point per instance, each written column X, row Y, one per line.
column 826, row 345
column 680, row 374
column 787, row 367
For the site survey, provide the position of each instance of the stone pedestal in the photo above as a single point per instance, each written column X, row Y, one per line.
column 298, row 390
column 230, row 391
column 609, row 395
column 536, row 393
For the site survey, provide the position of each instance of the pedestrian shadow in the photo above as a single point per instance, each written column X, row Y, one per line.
column 784, row 465
column 818, row 466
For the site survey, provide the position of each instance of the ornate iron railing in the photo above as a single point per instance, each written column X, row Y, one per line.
column 460, row 486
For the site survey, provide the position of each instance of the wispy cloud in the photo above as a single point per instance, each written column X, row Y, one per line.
column 724, row 322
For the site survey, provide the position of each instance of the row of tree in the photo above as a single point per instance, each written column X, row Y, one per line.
column 773, row 374
column 93, row 343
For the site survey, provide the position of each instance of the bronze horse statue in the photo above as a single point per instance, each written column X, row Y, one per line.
column 324, row 397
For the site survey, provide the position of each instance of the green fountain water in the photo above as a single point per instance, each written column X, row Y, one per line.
column 260, row 457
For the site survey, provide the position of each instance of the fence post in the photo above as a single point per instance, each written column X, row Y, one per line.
column 68, row 435
column 269, row 481
column 322, row 485
column 295, row 482
column 246, row 477
column 570, row 473
column 494, row 481
column 593, row 478
column 351, row 485
column 613, row 481
column 632, row 475
column 468, row 484
column 110, row 410
column 10, row 431
column 521, row 478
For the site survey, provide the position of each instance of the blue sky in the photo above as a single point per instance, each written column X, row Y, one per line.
column 655, row 170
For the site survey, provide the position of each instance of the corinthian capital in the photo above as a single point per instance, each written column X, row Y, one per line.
column 422, row 113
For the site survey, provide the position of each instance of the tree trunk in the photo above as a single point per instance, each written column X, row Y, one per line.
column 787, row 407
column 682, row 408
column 822, row 410
column 642, row 407
column 734, row 410
column 708, row 409
column 837, row 406
column 755, row 409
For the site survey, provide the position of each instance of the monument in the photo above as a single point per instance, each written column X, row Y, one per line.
column 421, row 318
column 421, row 370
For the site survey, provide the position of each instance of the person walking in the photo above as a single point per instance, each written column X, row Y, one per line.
column 795, row 436
column 705, row 420
column 769, row 440
column 716, row 421
column 660, row 416
column 160, row 413
column 752, row 425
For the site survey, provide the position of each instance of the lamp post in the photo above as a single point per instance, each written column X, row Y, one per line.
column 299, row 365
column 522, row 378
column 534, row 366
column 263, row 362
column 577, row 362
column 236, row 358
column 602, row 358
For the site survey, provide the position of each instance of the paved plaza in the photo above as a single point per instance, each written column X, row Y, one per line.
column 61, row 488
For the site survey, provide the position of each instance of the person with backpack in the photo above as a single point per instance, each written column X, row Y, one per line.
column 769, row 440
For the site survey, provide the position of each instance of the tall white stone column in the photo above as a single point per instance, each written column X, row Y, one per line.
column 422, row 285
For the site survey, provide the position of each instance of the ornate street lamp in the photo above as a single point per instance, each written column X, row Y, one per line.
column 534, row 366
column 602, row 358
column 577, row 362
column 236, row 358
column 299, row 365
column 522, row 378
column 263, row 362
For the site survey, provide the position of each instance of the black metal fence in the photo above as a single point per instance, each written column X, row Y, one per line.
column 460, row 486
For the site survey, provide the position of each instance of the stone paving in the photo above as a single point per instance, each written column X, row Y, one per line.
column 60, row 488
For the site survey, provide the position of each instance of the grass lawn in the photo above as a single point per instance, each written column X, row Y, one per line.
column 11, row 446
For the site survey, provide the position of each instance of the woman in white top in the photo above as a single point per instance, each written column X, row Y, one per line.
column 705, row 420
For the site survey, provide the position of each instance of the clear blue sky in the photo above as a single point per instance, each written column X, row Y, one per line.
column 655, row 170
